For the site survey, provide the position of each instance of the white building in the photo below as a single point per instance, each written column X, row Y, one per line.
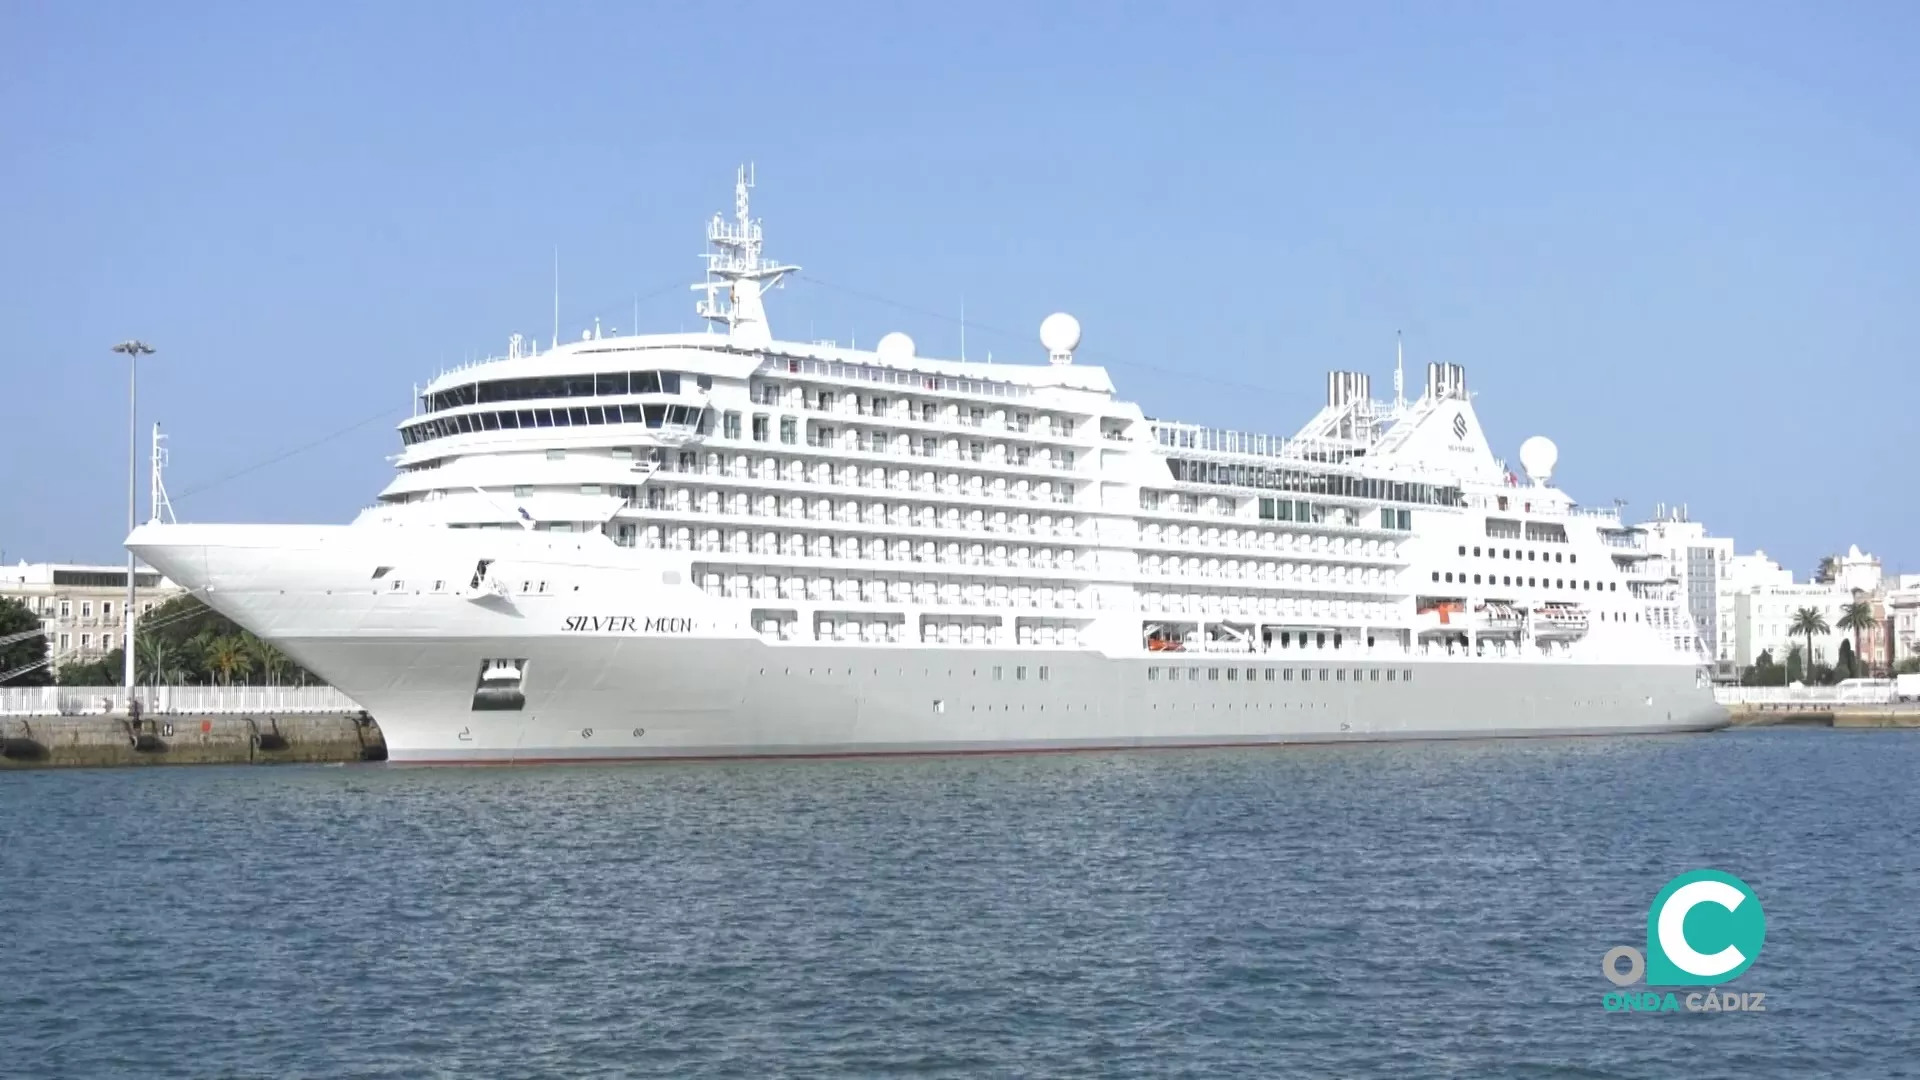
column 1902, row 603
column 1763, row 620
column 80, row 606
column 1857, row 571
column 1739, row 574
column 1698, row 563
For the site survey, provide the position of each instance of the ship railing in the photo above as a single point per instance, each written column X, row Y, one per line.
column 868, row 373
column 856, row 410
column 1252, row 444
column 1805, row 696
column 809, row 514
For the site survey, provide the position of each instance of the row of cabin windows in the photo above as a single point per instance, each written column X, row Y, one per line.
column 604, row 384
column 872, row 441
column 927, row 412
column 652, row 416
column 1307, row 481
column 1269, row 674
column 1452, row 578
column 1310, row 512
column 1515, row 553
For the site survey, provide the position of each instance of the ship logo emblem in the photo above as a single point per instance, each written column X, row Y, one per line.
column 1459, row 425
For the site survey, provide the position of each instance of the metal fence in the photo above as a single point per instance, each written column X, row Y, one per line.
column 1804, row 696
column 172, row 700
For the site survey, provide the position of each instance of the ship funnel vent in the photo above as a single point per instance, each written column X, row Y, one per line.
column 1446, row 381
column 1346, row 387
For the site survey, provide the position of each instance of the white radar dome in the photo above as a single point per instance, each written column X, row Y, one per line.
column 895, row 345
column 1060, row 333
column 1538, row 456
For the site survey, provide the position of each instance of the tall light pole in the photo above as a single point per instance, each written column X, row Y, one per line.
column 134, row 350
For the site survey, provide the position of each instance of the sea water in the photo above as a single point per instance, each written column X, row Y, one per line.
column 1412, row 910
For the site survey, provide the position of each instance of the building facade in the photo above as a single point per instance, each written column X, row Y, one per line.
column 1763, row 621
column 1900, row 618
column 81, row 607
column 1698, row 563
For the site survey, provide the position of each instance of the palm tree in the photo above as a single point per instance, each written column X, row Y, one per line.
column 156, row 660
column 227, row 657
column 1808, row 621
column 1829, row 569
column 1858, row 618
column 271, row 662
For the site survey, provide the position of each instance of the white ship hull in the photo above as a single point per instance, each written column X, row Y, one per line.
column 614, row 663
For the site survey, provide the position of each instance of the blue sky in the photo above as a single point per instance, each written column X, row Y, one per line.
column 1678, row 239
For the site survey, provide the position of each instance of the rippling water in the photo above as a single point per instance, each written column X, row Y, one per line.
column 1403, row 911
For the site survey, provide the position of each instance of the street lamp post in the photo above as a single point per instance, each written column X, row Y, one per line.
column 134, row 350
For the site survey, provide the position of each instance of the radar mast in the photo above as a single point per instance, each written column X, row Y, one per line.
column 734, row 264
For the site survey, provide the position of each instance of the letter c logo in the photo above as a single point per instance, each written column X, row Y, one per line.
column 1724, row 913
column 1673, row 934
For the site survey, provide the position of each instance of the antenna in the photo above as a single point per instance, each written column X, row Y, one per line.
column 734, row 264
column 1399, row 373
column 160, row 508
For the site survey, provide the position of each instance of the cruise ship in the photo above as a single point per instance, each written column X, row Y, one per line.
column 722, row 544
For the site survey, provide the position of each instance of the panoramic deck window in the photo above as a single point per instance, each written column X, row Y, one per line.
column 603, row 384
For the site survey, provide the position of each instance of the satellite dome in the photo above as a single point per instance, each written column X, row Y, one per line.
column 895, row 346
column 1538, row 456
column 1060, row 333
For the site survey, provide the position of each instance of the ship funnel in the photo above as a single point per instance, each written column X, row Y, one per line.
column 1446, row 381
column 1346, row 387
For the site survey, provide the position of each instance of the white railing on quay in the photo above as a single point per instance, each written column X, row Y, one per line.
column 173, row 700
column 1804, row 696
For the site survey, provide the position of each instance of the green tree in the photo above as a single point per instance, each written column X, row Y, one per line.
column 1909, row 666
column 271, row 664
column 107, row 670
column 1796, row 667
column 29, row 652
column 156, row 659
column 1844, row 666
column 1857, row 619
column 1828, row 570
column 1808, row 621
column 227, row 657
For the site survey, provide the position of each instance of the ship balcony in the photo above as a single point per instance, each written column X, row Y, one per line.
column 1284, row 545
column 986, row 461
column 869, row 377
column 763, row 519
column 762, row 478
column 1332, row 610
column 897, row 595
column 878, row 561
column 1171, row 511
column 1355, row 579
column 1066, row 434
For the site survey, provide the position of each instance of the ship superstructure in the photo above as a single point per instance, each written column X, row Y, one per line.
column 624, row 535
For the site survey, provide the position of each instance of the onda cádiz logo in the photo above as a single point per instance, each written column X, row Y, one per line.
column 1459, row 425
column 1704, row 928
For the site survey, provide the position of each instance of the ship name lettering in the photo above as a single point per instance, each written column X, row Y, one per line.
column 594, row 624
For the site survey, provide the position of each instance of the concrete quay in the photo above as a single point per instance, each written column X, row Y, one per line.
column 1903, row 715
column 43, row 742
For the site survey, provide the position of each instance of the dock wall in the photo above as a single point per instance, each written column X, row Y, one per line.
column 100, row 741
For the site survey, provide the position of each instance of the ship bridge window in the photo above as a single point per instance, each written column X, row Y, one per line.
column 611, row 382
column 381, row 571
